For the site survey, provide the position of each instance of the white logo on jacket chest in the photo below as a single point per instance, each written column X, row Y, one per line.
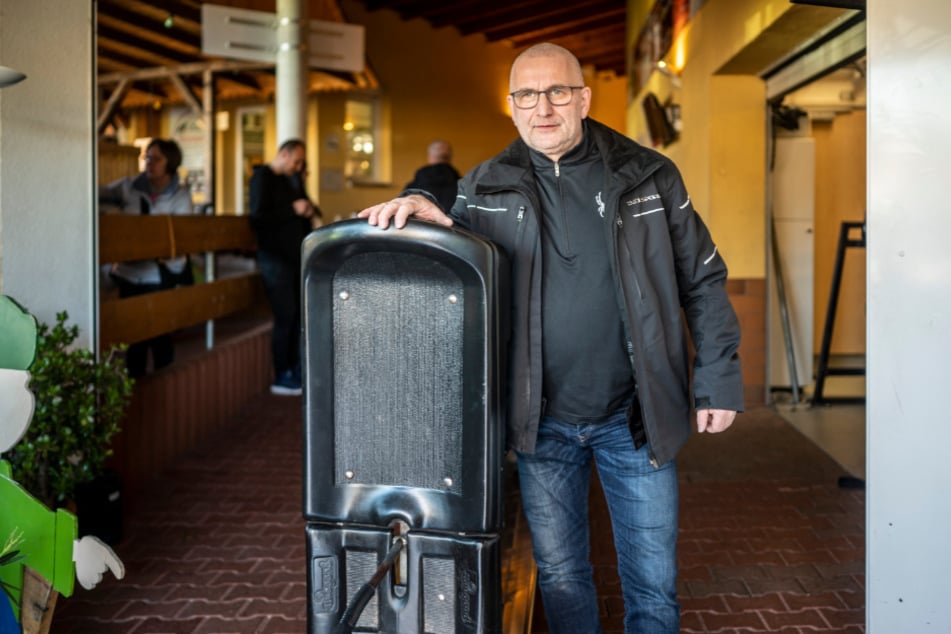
column 643, row 199
column 600, row 203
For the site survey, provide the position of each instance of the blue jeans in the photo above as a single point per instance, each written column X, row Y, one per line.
column 642, row 502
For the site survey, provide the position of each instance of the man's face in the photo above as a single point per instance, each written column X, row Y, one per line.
column 292, row 160
column 551, row 130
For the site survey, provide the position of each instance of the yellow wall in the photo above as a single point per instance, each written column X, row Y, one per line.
column 722, row 147
column 436, row 83
column 840, row 197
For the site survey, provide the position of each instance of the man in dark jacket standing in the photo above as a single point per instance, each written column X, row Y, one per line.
column 281, row 217
column 608, row 256
column 438, row 176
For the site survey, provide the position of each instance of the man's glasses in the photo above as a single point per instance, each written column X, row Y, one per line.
column 557, row 96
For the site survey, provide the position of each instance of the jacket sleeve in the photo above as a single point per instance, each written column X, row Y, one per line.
column 113, row 193
column 460, row 209
column 701, row 278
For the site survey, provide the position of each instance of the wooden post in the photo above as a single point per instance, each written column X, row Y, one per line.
column 37, row 603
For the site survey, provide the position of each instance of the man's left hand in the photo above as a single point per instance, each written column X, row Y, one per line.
column 302, row 207
column 714, row 420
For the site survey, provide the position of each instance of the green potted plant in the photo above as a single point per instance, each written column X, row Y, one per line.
column 80, row 402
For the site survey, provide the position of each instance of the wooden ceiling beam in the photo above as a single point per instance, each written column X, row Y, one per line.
column 242, row 79
column 373, row 5
column 118, row 16
column 119, row 57
column 494, row 12
column 596, row 28
column 112, row 104
column 571, row 15
column 195, row 68
column 179, row 9
column 186, row 92
column 107, row 34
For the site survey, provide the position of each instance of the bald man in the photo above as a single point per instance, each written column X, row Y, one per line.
column 438, row 178
column 608, row 259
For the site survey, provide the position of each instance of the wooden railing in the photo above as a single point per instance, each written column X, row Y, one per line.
column 125, row 238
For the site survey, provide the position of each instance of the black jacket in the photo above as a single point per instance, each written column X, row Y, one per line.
column 278, row 229
column 438, row 179
column 666, row 270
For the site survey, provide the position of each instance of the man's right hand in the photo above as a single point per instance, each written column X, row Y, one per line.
column 399, row 209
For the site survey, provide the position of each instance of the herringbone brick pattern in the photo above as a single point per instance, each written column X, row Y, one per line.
column 769, row 542
column 217, row 545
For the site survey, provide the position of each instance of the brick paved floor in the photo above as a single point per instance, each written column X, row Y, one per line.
column 769, row 542
column 219, row 547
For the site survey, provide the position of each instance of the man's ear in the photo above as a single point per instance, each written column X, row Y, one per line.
column 586, row 101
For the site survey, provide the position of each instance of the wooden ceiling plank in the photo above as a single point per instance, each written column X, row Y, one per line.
column 458, row 14
column 143, row 46
column 242, row 79
column 525, row 22
column 570, row 16
column 607, row 36
column 179, row 9
column 119, row 17
column 596, row 28
column 126, row 55
column 373, row 5
column 528, row 12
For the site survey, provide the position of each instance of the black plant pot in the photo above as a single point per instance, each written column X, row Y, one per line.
column 99, row 507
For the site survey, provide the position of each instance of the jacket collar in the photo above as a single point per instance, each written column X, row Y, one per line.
column 623, row 158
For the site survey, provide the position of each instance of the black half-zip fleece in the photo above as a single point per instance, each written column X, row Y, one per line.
column 587, row 371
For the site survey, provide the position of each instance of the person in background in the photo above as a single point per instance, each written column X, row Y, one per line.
column 157, row 190
column 438, row 176
column 300, row 180
column 609, row 261
column 281, row 217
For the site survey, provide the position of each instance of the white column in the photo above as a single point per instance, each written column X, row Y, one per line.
column 909, row 316
column 47, row 162
column 291, row 89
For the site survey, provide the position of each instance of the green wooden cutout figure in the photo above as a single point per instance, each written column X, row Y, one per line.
column 46, row 539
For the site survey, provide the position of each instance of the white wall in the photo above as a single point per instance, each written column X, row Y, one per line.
column 909, row 316
column 47, row 160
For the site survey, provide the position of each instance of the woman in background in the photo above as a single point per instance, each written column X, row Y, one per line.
column 157, row 190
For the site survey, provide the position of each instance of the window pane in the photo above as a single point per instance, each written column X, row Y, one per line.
column 360, row 124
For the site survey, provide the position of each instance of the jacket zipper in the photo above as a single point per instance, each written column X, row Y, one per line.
column 630, row 344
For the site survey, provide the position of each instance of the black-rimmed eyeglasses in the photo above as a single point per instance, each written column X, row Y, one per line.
column 557, row 96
